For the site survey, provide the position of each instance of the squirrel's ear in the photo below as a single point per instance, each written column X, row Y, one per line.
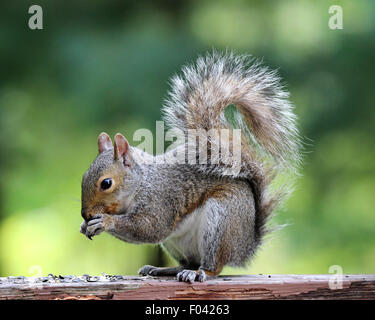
column 104, row 142
column 121, row 146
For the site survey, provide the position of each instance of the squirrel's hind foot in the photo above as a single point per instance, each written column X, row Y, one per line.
column 148, row 270
column 192, row 275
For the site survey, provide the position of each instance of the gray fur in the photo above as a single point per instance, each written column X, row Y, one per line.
column 202, row 216
column 204, row 89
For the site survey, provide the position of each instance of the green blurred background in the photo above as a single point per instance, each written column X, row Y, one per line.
column 104, row 66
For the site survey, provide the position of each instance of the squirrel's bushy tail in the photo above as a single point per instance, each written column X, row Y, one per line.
column 202, row 92
column 200, row 95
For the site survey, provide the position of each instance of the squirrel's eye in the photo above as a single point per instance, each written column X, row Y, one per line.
column 106, row 184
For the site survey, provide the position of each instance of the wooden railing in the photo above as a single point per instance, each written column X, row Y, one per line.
column 223, row 287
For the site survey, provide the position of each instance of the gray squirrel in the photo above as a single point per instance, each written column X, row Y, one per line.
column 203, row 216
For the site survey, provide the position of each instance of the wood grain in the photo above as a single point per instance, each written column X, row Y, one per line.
column 224, row 287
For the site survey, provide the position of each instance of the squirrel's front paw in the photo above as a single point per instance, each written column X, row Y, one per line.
column 94, row 227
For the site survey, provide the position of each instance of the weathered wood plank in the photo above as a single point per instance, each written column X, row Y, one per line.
column 224, row 287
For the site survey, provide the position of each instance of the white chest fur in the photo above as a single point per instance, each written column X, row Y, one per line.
column 184, row 242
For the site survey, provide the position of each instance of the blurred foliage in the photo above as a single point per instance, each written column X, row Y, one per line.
column 104, row 66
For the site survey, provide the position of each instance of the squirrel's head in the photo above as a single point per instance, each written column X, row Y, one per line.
column 106, row 185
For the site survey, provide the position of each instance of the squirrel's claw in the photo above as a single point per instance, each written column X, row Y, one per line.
column 83, row 228
column 94, row 227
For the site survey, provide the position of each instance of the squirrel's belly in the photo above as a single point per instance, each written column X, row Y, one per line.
column 183, row 243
